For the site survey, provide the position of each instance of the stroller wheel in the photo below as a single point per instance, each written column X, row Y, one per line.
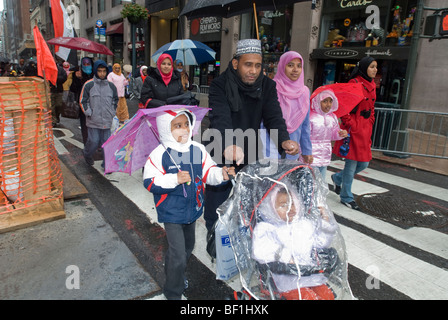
column 238, row 295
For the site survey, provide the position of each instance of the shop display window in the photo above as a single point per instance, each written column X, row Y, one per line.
column 274, row 30
column 369, row 23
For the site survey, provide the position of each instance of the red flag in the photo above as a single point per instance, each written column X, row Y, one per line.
column 62, row 26
column 45, row 60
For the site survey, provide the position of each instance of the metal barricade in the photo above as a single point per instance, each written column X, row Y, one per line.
column 411, row 132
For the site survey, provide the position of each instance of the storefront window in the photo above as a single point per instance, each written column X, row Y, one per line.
column 351, row 30
column 274, row 29
column 369, row 23
column 208, row 31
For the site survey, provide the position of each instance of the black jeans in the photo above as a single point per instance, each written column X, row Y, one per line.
column 214, row 197
column 181, row 239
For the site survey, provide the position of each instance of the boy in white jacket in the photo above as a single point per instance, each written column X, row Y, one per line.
column 176, row 173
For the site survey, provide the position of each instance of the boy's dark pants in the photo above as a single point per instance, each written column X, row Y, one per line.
column 95, row 139
column 181, row 238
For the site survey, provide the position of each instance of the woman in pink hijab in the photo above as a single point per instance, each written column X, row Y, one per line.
column 294, row 98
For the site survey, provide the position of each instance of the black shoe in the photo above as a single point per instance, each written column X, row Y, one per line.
column 89, row 161
column 351, row 205
column 336, row 188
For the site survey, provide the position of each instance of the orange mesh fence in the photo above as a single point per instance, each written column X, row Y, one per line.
column 30, row 172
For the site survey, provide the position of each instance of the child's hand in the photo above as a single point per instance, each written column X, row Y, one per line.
column 343, row 133
column 324, row 213
column 183, row 177
column 226, row 172
column 308, row 158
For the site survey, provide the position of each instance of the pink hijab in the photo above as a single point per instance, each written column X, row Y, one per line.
column 165, row 77
column 315, row 102
column 294, row 96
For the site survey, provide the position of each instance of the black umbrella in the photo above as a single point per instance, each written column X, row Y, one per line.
column 230, row 8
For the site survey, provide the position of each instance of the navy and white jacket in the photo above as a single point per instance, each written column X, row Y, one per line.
column 179, row 203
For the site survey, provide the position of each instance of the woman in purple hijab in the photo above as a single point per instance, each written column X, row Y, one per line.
column 294, row 98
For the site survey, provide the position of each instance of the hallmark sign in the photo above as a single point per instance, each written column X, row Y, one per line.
column 386, row 53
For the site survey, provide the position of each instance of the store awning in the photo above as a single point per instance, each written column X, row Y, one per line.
column 115, row 29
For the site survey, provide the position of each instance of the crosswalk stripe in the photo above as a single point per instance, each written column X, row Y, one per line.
column 423, row 238
column 411, row 276
column 416, row 186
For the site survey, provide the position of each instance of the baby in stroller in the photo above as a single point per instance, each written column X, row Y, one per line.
column 286, row 238
column 286, row 242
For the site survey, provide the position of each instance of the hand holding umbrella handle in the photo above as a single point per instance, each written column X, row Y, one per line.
column 158, row 139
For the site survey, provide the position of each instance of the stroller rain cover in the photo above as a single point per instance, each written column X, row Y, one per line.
column 286, row 241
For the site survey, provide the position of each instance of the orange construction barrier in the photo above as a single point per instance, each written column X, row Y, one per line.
column 31, row 186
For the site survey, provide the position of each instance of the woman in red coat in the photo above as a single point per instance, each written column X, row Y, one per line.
column 359, row 124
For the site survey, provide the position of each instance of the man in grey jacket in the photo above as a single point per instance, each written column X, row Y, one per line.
column 98, row 101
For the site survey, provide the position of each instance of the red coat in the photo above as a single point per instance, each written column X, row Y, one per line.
column 358, row 126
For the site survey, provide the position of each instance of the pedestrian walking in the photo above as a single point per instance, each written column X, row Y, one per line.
column 138, row 82
column 161, row 83
column 178, row 190
column 82, row 75
column 120, row 81
column 359, row 123
column 294, row 98
column 185, row 79
column 241, row 98
column 324, row 128
column 57, row 92
column 98, row 101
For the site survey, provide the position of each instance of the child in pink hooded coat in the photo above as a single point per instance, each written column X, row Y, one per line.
column 324, row 128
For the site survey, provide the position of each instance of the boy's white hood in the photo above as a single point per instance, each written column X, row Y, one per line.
column 164, row 129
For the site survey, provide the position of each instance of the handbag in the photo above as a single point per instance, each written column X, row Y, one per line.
column 345, row 146
column 226, row 267
column 70, row 107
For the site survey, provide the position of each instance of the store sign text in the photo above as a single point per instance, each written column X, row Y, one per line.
column 379, row 53
column 341, row 53
column 349, row 4
column 209, row 25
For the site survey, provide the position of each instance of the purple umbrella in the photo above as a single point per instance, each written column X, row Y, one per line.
column 128, row 148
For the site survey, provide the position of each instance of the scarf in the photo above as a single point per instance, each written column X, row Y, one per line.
column 316, row 107
column 361, row 68
column 141, row 72
column 294, row 96
column 234, row 86
column 113, row 69
column 165, row 77
column 66, row 67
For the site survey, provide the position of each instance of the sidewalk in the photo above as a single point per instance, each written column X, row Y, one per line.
column 76, row 258
column 435, row 165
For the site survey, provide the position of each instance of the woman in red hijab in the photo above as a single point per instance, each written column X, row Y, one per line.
column 161, row 83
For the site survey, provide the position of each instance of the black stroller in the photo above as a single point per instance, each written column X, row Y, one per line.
column 286, row 242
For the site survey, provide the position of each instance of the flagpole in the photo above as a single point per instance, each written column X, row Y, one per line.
column 45, row 77
column 46, row 90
